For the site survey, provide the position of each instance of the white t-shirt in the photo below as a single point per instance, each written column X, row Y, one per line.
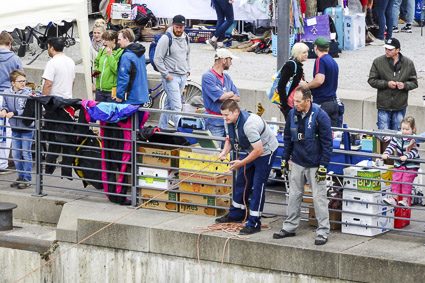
column 61, row 71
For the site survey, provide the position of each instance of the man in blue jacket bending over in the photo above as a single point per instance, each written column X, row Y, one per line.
column 132, row 81
column 308, row 139
column 250, row 133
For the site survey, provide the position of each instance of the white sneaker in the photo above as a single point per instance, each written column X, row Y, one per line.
column 212, row 43
column 377, row 42
column 390, row 201
column 404, row 202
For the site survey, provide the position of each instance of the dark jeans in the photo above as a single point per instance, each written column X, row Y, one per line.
column 332, row 109
column 225, row 17
column 384, row 11
column 103, row 96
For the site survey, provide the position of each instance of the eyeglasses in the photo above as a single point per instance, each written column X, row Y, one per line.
column 24, row 81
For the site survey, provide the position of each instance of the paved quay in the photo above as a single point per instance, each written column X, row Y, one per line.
column 70, row 216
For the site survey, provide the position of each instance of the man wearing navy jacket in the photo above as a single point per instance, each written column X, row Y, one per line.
column 250, row 133
column 308, row 142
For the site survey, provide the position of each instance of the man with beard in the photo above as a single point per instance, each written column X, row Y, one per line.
column 172, row 61
column 216, row 88
column 59, row 74
column 132, row 81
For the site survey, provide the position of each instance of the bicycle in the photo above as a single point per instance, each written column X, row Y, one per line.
column 191, row 90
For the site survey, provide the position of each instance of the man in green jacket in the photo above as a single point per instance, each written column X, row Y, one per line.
column 106, row 66
column 393, row 75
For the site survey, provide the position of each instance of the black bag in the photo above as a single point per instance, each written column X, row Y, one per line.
column 116, row 28
column 144, row 15
column 333, row 50
column 323, row 4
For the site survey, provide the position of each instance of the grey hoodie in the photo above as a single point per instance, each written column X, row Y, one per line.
column 175, row 61
column 8, row 62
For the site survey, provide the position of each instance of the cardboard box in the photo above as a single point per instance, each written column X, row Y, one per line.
column 367, row 145
column 205, row 178
column 364, row 202
column 382, row 220
column 163, row 160
column 333, row 216
column 350, row 172
column 386, row 175
column 160, row 202
column 158, row 178
column 194, row 200
column 367, row 183
column 204, row 188
column 354, row 31
column 120, row 11
column 308, row 194
column 204, row 162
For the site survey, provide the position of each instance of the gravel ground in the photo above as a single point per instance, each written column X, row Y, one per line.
column 255, row 70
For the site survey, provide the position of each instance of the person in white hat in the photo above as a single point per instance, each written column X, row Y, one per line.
column 217, row 87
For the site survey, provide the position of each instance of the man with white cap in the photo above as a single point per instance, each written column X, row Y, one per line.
column 217, row 87
column 393, row 75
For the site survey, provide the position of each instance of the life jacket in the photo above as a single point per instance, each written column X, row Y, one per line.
column 309, row 127
column 240, row 141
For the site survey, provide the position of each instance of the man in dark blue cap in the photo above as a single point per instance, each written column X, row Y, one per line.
column 393, row 75
column 173, row 62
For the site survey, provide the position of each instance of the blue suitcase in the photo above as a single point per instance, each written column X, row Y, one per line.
column 337, row 15
column 420, row 12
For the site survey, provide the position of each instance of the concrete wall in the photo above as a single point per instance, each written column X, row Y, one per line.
column 99, row 264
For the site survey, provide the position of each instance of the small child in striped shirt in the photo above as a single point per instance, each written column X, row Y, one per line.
column 407, row 167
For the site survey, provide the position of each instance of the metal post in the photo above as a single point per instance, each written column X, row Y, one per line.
column 135, row 120
column 37, row 135
column 282, row 32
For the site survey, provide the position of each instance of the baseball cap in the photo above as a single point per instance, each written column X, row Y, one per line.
column 392, row 43
column 224, row 53
column 321, row 42
column 179, row 20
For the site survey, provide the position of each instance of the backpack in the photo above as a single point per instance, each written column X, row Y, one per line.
column 272, row 94
column 154, row 43
column 144, row 15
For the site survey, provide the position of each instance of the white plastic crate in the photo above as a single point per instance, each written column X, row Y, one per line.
column 361, row 201
column 384, row 223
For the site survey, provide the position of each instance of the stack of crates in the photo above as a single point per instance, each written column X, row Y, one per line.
column 210, row 188
column 152, row 179
column 363, row 204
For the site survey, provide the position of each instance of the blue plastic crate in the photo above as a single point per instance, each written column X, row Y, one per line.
column 199, row 35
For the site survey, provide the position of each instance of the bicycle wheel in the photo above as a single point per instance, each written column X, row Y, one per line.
column 149, row 103
column 162, row 99
column 190, row 90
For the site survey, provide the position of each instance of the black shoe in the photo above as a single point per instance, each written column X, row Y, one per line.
column 320, row 240
column 25, row 184
column 126, row 202
column 16, row 183
column 248, row 230
column 226, row 219
column 283, row 234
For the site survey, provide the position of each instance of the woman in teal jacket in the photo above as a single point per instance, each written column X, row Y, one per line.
column 106, row 66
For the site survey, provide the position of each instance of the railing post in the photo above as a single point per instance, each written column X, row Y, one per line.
column 135, row 120
column 37, row 135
